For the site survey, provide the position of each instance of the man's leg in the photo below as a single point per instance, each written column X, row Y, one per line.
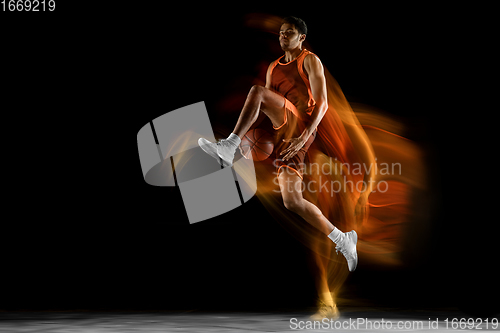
column 259, row 99
column 291, row 191
column 327, row 308
column 290, row 186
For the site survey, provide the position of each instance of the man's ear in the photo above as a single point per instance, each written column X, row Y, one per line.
column 302, row 38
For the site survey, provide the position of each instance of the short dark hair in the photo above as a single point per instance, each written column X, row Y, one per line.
column 298, row 23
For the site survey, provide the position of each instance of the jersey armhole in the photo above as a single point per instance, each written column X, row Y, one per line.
column 300, row 64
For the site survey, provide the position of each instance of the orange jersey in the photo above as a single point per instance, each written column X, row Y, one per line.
column 291, row 81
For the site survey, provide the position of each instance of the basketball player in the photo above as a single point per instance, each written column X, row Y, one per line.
column 295, row 100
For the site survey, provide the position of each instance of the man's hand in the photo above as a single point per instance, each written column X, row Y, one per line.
column 293, row 148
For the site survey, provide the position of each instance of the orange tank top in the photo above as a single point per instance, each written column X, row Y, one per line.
column 291, row 81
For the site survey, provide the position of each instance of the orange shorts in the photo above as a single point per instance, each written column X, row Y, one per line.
column 292, row 127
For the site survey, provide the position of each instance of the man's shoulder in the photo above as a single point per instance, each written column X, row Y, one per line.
column 273, row 64
column 311, row 57
column 312, row 64
column 276, row 60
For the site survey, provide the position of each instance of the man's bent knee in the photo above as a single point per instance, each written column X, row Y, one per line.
column 256, row 91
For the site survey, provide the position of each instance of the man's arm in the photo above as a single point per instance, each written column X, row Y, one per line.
column 318, row 88
column 317, row 80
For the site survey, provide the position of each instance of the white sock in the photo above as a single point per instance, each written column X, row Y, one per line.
column 336, row 235
column 233, row 139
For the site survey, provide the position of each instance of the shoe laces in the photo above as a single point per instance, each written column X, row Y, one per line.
column 342, row 249
column 340, row 245
column 222, row 143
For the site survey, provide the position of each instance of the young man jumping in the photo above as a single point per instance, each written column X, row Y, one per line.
column 295, row 100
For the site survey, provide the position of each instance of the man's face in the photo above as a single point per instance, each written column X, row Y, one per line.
column 289, row 37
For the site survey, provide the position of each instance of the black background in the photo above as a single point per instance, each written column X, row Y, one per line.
column 83, row 230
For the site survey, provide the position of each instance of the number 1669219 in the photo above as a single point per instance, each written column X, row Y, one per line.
column 28, row 5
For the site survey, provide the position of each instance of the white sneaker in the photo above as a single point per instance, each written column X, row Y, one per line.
column 347, row 247
column 221, row 150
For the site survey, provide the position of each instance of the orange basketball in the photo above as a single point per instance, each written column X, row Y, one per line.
column 257, row 144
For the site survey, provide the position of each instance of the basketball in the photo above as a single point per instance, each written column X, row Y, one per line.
column 257, row 145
